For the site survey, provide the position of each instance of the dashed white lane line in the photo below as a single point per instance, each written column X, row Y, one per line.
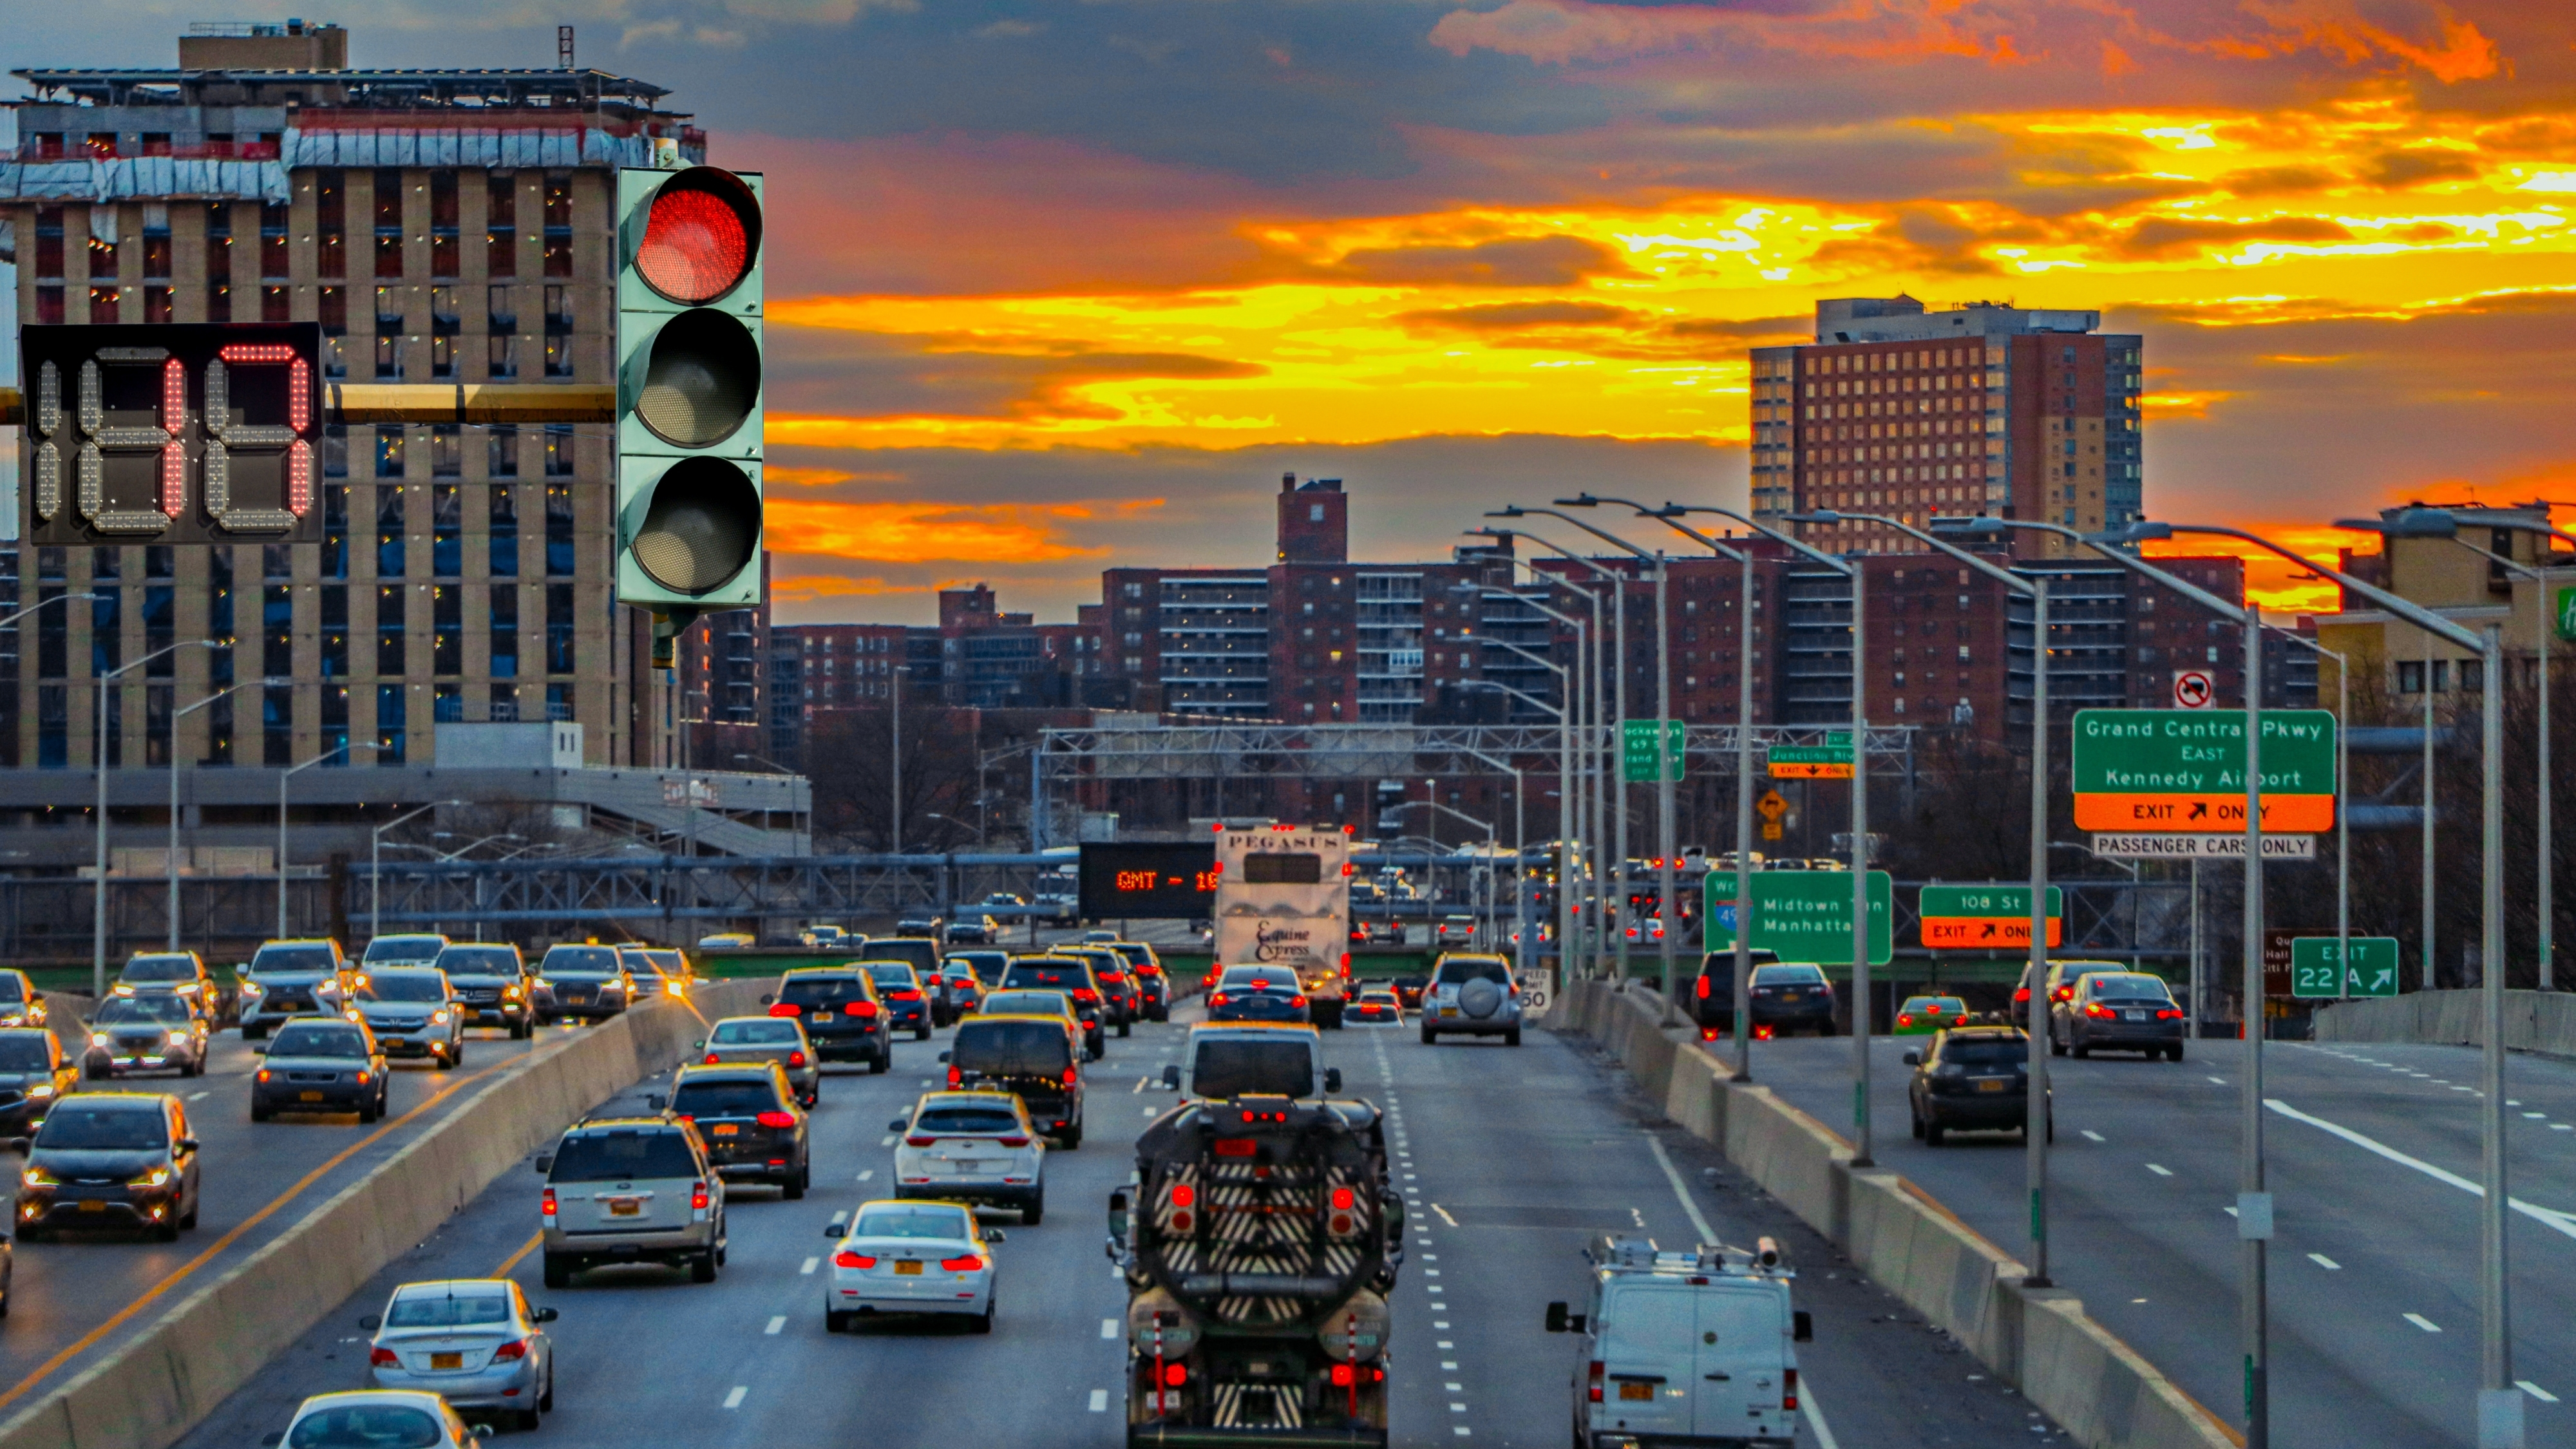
column 1681, row 1190
column 2426, row 1324
column 1100, row 1401
column 2562, row 1127
column 201, row 1096
column 2553, row 1218
column 740, row 1392
column 776, row 1326
column 841, row 1216
column 2094, row 1136
column 807, row 1270
column 1109, row 1328
column 2159, row 1169
column 2322, row 1261
column 2535, row 1116
column 2536, row 1391
column 1150, row 1111
column 888, row 1142
column 1456, row 1389
column 864, row 1176
column 2222, row 1081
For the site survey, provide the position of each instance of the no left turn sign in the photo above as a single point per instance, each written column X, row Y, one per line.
column 2194, row 689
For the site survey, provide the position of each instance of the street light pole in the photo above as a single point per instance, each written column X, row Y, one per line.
column 98, row 896
column 1564, row 755
column 283, row 776
column 376, row 865
column 173, row 856
column 2343, row 826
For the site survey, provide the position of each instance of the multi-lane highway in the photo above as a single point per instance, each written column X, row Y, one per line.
column 1511, row 1158
column 76, row 1294
column 2373, row 1154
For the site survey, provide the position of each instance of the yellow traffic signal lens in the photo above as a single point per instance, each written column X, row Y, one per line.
column 700, row 381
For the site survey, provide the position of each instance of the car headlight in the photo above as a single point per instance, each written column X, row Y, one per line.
column 541, row 983
column 121, row 989
column 41, row 1089
column 154, row 1178
column 253, row 988
column 98, row 1038
column 509, row 993
column 38, row 1177
column 438, row 1018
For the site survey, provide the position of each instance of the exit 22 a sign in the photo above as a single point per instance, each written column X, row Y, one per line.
column 2371, row 971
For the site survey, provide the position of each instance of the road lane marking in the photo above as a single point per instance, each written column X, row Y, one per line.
column 2536, row 1391
column 1109, row 1328
column 1681, row 1190
column 201, row 1096
column 810, row 1265
column 2533, row 1115
column 2550, row 1217
column 2159, row 1170
column 1815, row 1415
column 514, row 1259
column 864, row 1176
column 145, row 1298
column 2222, row 1081
column 2420, row 1321
column 841, row 1216
column 1149, row 1111
column 2322, row 1261
column 1456, row 1389
column 889, row 1142
column 2094, row 1136
column 1100, row 1401
column 734, row 1400
column 775, row 1325
column 2562, row 1127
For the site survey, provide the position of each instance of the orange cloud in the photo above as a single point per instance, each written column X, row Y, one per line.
column 2280, row 586
column 915, row 532
column 823, row 477
column 809, row 587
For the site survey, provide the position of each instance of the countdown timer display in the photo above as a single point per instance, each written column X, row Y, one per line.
column 171, row 433
column 1148, row 880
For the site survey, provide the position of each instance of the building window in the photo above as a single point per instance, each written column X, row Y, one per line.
column 446, row 531
column 330, row 223
column 447, row 629
column 160, row 619
column 559, row 629
column 276, row 303
column 504, row 538
column 391, row 737
column 389, row 532
column 49, row 241
column 53, row 727
column 389, row 630
column 335, row 632
column 389, row 224
column 559, row 224
column 446, row 450
column 505, row 632
column 501, row 222
column 445, row 253
column 272, row 241
column 505, row 703
column 559, row 702
column 156, row 304
column 335, row 726
column 157, row 705
column 335, row 531
column 102, row 306
column 559, row 456
column 447, row 704
column 106, row 628
column 277, row 724
column 501, row 451
column 277, row 628
column 559, row 541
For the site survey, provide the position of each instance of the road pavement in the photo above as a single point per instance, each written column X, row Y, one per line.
column 2373, row 1156
column 1510, row 1156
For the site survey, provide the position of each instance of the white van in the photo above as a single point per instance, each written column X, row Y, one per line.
column 1232, row 1059
column 1684, row 1348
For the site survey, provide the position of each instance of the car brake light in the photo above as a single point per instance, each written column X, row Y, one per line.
column 711, row 1059
column 1788, row 1390
column 384, row 1358
column 860, row 1008
column 776, row 1119
column 1236, row 1147
column 1594, row 1377
column 1085, row 993
column 1183, row 1194
column 1904, row 1021
column 1013, row 1141
column 2021, row 993
column 697, row 1197
column 903, row 993
column 971, row 1263
column 847, row 1259
column 956, row 1078
column 1296, row 1001
column 1072, row 1076
column 783, row 1008
column 2098, row 1011
column 546, row 1205
column 795, row 1059
column 920, row 1141
column 2170, row 1014
column 511, row 1352
column 263, row 1074
column 1217, row 1000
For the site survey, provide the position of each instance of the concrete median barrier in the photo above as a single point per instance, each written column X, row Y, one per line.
column 154, row 1387
column 2039, row 1340
column 2534, row 1021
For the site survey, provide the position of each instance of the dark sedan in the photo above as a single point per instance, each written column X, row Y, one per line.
column 1792, row 996
column 110, row 1160
column 906, row 1001
column 34, row 1074
column 1257, row 993
column 2120, row 1011
column 1971, row 1079
column 321, row 1064
column 753, row 1125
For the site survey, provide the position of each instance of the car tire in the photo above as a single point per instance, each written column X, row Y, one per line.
column 2174, row 1053
column 2056, row 1048
column 546, row 1400
column 1033, row 1211
column 95, row 1074
column 166, row 1233
column 921, row 1033
column 984, row 1324
column 368, row 1112
column 882, row 1064
column 793, row 1189
column 259, row 1113
column 528, row 1420
column 558, row 1272
column 31, row 1235
column 189, row 1222
column 1933, row 1132
column 1126, row 1028
column 1512, row 1037
column 2082, row 1051
column 1073, row 1137
column 835, row 1321
column 702, row 1269
column 1915, row 1120
column 1430, row 1037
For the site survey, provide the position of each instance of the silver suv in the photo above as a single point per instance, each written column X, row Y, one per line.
column 1474, row 995
column 631, row 1190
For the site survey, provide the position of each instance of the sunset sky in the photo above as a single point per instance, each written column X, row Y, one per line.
column 1059, row 286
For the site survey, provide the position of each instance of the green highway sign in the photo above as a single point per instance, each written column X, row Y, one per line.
column 2372, row 970
column 2567, row 613
column 1831, row 760
column 2184, row 769
column 1637, row 750
column 1803, row 915
column 1967, row 917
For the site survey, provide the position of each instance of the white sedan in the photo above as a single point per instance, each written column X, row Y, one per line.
column 972, row 1147
column 363, row 1418
column 911, row 1257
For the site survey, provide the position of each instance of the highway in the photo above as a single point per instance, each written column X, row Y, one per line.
column 1511, row 1157
column 76, row 1294
column 2373, row 1155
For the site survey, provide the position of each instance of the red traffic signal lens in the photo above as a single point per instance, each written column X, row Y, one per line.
column 701, row 380
column 701, row 528
column 701, row 236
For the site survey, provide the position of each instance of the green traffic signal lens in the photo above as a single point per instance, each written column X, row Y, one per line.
column 701, row 379
column 701, row 528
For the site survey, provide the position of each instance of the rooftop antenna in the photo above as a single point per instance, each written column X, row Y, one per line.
column 563, row 47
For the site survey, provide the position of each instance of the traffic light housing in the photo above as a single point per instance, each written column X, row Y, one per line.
column 689, row 415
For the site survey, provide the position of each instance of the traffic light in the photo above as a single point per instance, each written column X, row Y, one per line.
column 689, row 340
column 172, row 433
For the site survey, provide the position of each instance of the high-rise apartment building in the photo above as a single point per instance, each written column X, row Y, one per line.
column 1898, row 410
column 441, row 226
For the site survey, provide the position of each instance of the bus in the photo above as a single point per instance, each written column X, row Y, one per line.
column 1283, row 897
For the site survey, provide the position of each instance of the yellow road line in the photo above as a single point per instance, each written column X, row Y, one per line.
column 514, row 1259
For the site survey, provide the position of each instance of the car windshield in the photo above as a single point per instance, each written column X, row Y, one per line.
column 622, row 1156
column 98, row 1126
column 581, row 961
column 966, row 1119
column 24, row 1051
column 461, row 1310
column 142, row 1008
column 318, row 1039
column 159, row 968
column 1986, row 1051
column 404, row 986
column 1934, row 1005
column 1229, row 1068
column 405, row 948
column 2131, row 988
column 1788, row 976
column 1062, row 977
column 738, row 1097
column 479, row 961
column 1377, row 998
column 1463, row 968
column 292, row 959
column 1029, row 1003
column 366, row 1426
column 910, row 1221
column 891, row 975
column 13, row 987
column 1137, row 954
column 821, row 990
column 1012, row 1049
column 759, row 1031
column 669, row 963
column 1258, row 978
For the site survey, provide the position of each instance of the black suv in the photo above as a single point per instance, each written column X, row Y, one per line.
column 750, row 1119
column 844, row 1020
column 1711, row 1002
column 906, row 999
column 1073, row 978
column 1029, row 1056
column 491, row 986
column 1972, row 1079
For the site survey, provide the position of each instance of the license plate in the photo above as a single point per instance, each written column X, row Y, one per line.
column 1991, row 1084
column 2133, row 1016
column 308, row 1096
column 93, row 1206
column 727, row 1129
column 447, row 1360
column 624, row 1207
column 907, row 1269
column 1636, row 1391
column 1448, row 1011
